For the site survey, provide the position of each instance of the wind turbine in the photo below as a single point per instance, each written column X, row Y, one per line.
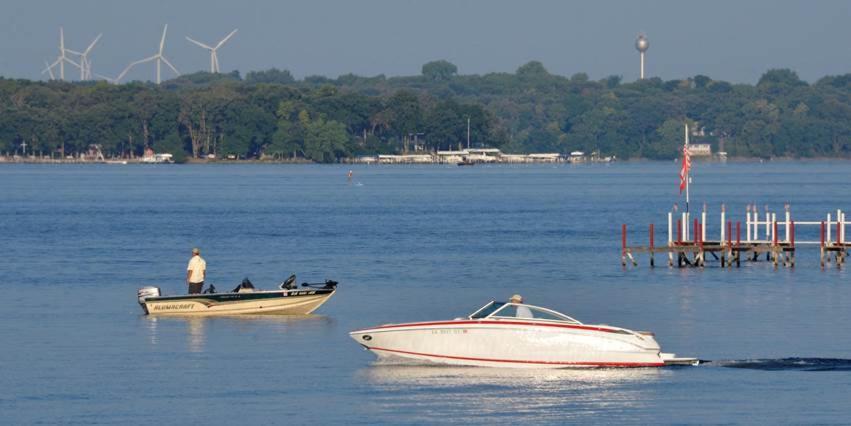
column 49, row 69
column 61, row 59
column 158, row 57
column 214, row 58
column 85, row 64
column 107, row 79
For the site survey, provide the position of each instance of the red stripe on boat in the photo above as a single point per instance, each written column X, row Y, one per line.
column 515, row 361
column 426, row 324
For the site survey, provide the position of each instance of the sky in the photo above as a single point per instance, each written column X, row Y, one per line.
column 727, row 40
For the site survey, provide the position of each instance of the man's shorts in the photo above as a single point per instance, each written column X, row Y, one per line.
column 195, row 288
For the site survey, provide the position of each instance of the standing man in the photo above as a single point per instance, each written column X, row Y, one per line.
column 196, row 272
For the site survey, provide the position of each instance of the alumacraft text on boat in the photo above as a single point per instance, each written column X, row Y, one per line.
column 174, row 307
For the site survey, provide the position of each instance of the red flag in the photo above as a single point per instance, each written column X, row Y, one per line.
column 685, row 168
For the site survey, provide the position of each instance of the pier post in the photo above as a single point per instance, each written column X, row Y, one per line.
column 821, row 246
column 792, row 242
column 679, row 232
column 839, row 240
column 788, row 221
column 755, row 225
column 723, row 221
column 748, row 225
column 774, row 246
column 767, row 225
column 652, row 252
column 843, row 248
column 729, row 249
column 838, row 231
column 703, row 225
column 828, row 239
column 738, row 243
column 771, row 232
column 670, row 239
column 623, row 245
column 696, row 231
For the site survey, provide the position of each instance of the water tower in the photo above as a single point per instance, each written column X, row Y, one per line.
column 641, row 44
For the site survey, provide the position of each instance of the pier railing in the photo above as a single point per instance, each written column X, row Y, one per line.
column 687, row 243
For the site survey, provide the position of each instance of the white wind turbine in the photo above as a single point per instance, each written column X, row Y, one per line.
column 214, row 58
column 85, row 63
column 61, row 59
column 48, row 68
column 158, row 57
column 107, row 79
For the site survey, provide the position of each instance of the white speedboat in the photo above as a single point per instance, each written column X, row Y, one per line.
column 289, row 299
column 517, row 335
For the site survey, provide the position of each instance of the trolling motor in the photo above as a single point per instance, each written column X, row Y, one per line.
column 326, row 285
column 290, row 284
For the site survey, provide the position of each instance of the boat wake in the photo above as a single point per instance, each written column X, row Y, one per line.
column 786, row 364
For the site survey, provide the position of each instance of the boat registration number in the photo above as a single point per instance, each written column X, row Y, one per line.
column 450, row 331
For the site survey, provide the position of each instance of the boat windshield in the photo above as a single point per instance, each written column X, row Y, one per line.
column 486, row 310
column 519, row 310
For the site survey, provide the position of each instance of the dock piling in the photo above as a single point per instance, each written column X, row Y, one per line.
column 821, row 246
column 738, row 243
column 792, row 242
column 652, row 251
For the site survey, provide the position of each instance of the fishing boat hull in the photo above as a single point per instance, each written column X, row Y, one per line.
column 515, row 344
column 278, row 302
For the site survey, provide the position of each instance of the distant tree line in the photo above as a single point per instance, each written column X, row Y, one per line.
column 270, row 113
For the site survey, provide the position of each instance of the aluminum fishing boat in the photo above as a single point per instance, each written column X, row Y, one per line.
column 289, row 299
column 506, row 334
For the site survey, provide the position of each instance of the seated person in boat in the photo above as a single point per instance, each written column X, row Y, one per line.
column 522, row 311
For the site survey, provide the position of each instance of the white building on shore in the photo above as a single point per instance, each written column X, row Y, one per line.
column 700, row 150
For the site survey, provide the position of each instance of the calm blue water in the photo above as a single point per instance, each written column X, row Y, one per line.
column 406, row 243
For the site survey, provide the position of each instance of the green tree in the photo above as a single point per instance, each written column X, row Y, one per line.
column 272, row 76
column 325, row 141
column 439, row 70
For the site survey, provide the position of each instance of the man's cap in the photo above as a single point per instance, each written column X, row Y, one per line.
column 516, row 298
column 196, row 250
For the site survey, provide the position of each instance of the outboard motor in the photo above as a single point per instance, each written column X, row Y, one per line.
column 146, row 292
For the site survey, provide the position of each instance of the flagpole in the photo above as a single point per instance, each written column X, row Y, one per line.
column 688, row 172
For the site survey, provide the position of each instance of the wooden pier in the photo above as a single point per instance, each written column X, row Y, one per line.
column 687, row 245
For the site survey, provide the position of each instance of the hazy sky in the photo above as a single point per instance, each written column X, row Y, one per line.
column 727, row 40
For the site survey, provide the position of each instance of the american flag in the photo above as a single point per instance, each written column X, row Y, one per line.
column 685, row 168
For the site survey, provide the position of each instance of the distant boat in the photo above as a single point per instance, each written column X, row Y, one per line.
column 158, row 159
column 466, row 162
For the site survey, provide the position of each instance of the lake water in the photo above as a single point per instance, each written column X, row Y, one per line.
column 406, row 244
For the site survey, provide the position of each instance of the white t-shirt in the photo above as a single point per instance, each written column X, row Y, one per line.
column 524, row 312
column 197, row 265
